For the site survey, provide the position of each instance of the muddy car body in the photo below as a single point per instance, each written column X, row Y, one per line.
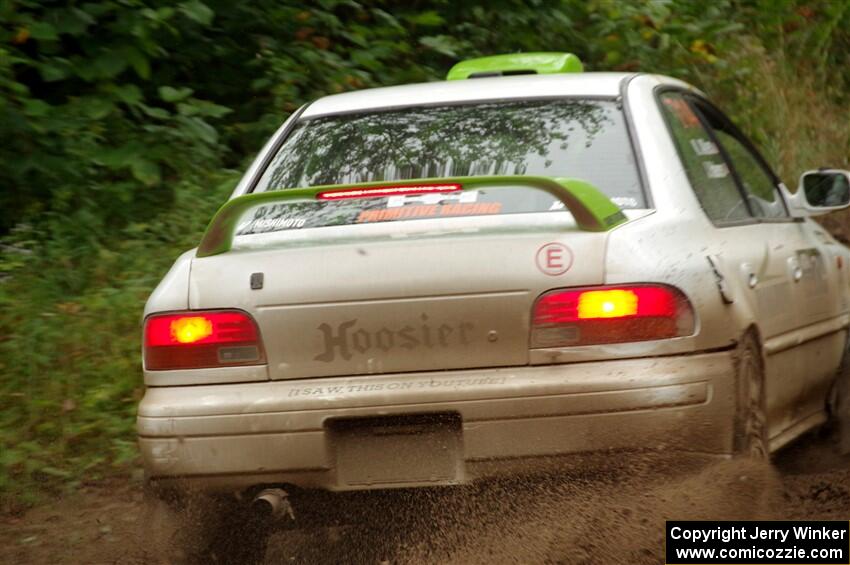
column 705, row 312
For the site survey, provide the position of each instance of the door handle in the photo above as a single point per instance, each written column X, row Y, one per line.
column 749, row 275
column 795, row 270
column 752, row 280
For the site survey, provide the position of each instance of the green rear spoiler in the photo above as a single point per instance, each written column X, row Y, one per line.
column 516, row 63
column 592, row 210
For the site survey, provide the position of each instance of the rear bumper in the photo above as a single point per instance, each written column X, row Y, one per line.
column 237, row 435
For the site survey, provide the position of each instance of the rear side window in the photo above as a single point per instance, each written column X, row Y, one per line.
column 704, row 164
column 758, row 184
column 583, row 139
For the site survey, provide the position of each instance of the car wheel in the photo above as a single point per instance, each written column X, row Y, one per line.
column 197, row 529
column 751, row 440
column 839, row 403
column 236, row 536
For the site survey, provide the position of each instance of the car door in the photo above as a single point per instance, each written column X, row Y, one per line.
column 821, row 307
column 813, row 270
column 755, row 243
column 798, row 369
column 801, row 361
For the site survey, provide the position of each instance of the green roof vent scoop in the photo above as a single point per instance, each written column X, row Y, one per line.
column 516, row 64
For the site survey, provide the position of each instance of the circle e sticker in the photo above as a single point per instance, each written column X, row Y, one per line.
column 554, row 259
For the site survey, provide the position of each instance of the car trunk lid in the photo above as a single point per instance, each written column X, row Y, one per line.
column 389, row 297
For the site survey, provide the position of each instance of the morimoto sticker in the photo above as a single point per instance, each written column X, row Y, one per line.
column 554, row 259
column 269, row 224
column 276, row 217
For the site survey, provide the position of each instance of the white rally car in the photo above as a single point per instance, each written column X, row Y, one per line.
column 436, row 283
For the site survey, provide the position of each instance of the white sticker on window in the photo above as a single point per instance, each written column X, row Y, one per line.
column 260, row 225
column 715, row 170
column 466, row 196
column 704, row 147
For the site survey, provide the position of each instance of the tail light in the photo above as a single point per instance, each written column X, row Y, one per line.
column 610, row 314
column 201, row 339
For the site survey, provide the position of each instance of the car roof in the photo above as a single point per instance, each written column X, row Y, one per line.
column 605, row 85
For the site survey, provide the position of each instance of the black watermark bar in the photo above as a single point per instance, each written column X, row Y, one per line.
column 763, row 543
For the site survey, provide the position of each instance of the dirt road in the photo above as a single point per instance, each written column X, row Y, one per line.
column 613, row 517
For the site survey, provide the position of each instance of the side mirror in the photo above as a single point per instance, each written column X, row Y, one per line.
column 825, row 190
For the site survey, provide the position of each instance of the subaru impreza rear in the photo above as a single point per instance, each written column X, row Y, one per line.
column 417, row 286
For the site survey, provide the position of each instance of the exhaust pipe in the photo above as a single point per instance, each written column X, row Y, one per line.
column 272, row 503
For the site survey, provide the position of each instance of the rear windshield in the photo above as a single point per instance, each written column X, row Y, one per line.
column 584, row 139
column 293, row 216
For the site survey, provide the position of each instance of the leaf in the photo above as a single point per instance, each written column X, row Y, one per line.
column 202, row 130
column 154, row 112
column 429, row 18
column 171, row 94
column 94, row 9
column 165, row 13
column 51, row 72
column 198, row 11
column 203, row 108
column 187, row 109
column 444, row 44
column 43, row 31
column 128, row 94
column 73, row 21
column 139, row 63
column 36, row 108
column 146, row 172
column 110, row 63
column 96, row 107
column 388, row 19
column 119, row 157
column 364, row 58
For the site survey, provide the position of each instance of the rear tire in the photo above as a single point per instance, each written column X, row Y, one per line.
column 751, row 437
column 839, row 403
column 235, row 536
column 196, row 529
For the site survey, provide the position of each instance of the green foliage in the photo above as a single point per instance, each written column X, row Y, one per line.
column 121, row 121
column 70, row 359
column 87, row 136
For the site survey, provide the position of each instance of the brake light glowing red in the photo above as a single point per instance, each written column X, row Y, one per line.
column 194, row 340
column 387, row 191
column 616, row 314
